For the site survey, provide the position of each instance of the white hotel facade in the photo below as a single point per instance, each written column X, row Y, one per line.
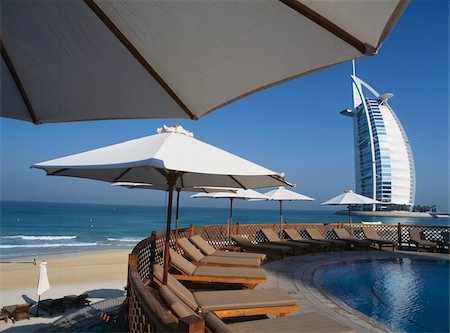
column 384, row 164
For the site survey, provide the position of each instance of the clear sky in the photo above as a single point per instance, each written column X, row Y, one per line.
column 294, row 128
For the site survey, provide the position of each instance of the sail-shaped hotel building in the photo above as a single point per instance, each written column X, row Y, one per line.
column 384, row 165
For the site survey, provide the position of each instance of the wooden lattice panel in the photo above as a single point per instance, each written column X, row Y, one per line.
column 137, row 320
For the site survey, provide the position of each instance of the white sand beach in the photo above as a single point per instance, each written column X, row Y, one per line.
column 101, row 274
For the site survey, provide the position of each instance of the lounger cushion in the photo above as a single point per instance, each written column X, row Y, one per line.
column 202, row 245
column 305, row 322
column 209, row 250
column 181, row 263
column 190, row 249
column 176, row 287
column 232, row 261
column 344, row 235
column 216, row 325
column 267, row 248
column 242, row 299
column 178, row 307
column 230, row 272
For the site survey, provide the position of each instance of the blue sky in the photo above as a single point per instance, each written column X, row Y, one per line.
column 293, row 128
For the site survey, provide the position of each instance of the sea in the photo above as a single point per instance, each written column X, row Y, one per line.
column 36, row 228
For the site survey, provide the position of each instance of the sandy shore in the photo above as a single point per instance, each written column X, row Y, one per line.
column 101, row 274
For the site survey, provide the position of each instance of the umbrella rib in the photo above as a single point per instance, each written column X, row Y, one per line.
column 237, row 182
column 134, row 51
column 121, row 175
column 330, row 26
column 18, row 83
column 56, row 172
column 280, row 180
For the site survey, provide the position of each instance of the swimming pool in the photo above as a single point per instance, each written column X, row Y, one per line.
column 408, row 295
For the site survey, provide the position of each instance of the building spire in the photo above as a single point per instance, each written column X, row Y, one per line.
column 353, row 67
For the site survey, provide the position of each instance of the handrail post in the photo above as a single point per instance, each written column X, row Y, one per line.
column 238, row 228
column 191, row 230
column 399, row 235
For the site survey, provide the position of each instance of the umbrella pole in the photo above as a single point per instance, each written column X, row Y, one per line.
column 230, row 221
column 350, row 220
column 176, row 215
column 281, row 219
column 37, row 309
column 169, row 218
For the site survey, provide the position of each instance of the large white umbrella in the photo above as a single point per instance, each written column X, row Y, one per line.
column 171, row 159
column 282, row 194
column 349, row 198
column 239, row 194
column 188, row 189
column 43, row 283
column 121, row 59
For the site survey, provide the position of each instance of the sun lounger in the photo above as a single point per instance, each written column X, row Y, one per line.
column 225, row 303
column 312, row 322
column 194, row 253
column 372, row 235
column 16, row 312
column 275, row 240
column 249, row 277
column 342, row 234
column 275, row 250
column 295, row 236
column 210, row 251
column 416, row 238
column 316, row 235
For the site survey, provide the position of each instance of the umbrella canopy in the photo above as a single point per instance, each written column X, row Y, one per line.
column 146, row 186
column 282, row 194
column 350, row 198
column 43, row 284
column 170, row 159
column 172, row 153
column 102, row 59
column 239, row 194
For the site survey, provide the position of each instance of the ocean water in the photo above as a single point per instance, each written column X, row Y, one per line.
column 31, row 228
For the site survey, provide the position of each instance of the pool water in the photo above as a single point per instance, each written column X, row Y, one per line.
column 408, row 295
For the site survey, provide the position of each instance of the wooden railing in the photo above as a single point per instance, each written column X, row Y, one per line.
column 146, row 314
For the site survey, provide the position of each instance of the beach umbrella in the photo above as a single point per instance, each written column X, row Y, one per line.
column 189, row 189
column 349, row 198
column 43, row 284
column 103, row 59
column 239, row 194
column 171, row 159
column 282, row 194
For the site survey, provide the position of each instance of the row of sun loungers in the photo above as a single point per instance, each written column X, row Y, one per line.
column 209, row 266
column 206, row 309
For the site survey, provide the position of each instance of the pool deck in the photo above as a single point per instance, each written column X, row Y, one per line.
column 296, row 275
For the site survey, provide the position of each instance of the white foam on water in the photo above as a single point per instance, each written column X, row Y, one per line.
column 39, row 237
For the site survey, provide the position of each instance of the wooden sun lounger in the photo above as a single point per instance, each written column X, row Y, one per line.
column 342, row 234
column 311, row 322
column 274, row 239
column 194, row 253
column 416, row 238
column 274, row 250
column 227, row 303
column 210, row 251
column 295, row 236
column 372, row 235
column 249, row 277
column 316, row 235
